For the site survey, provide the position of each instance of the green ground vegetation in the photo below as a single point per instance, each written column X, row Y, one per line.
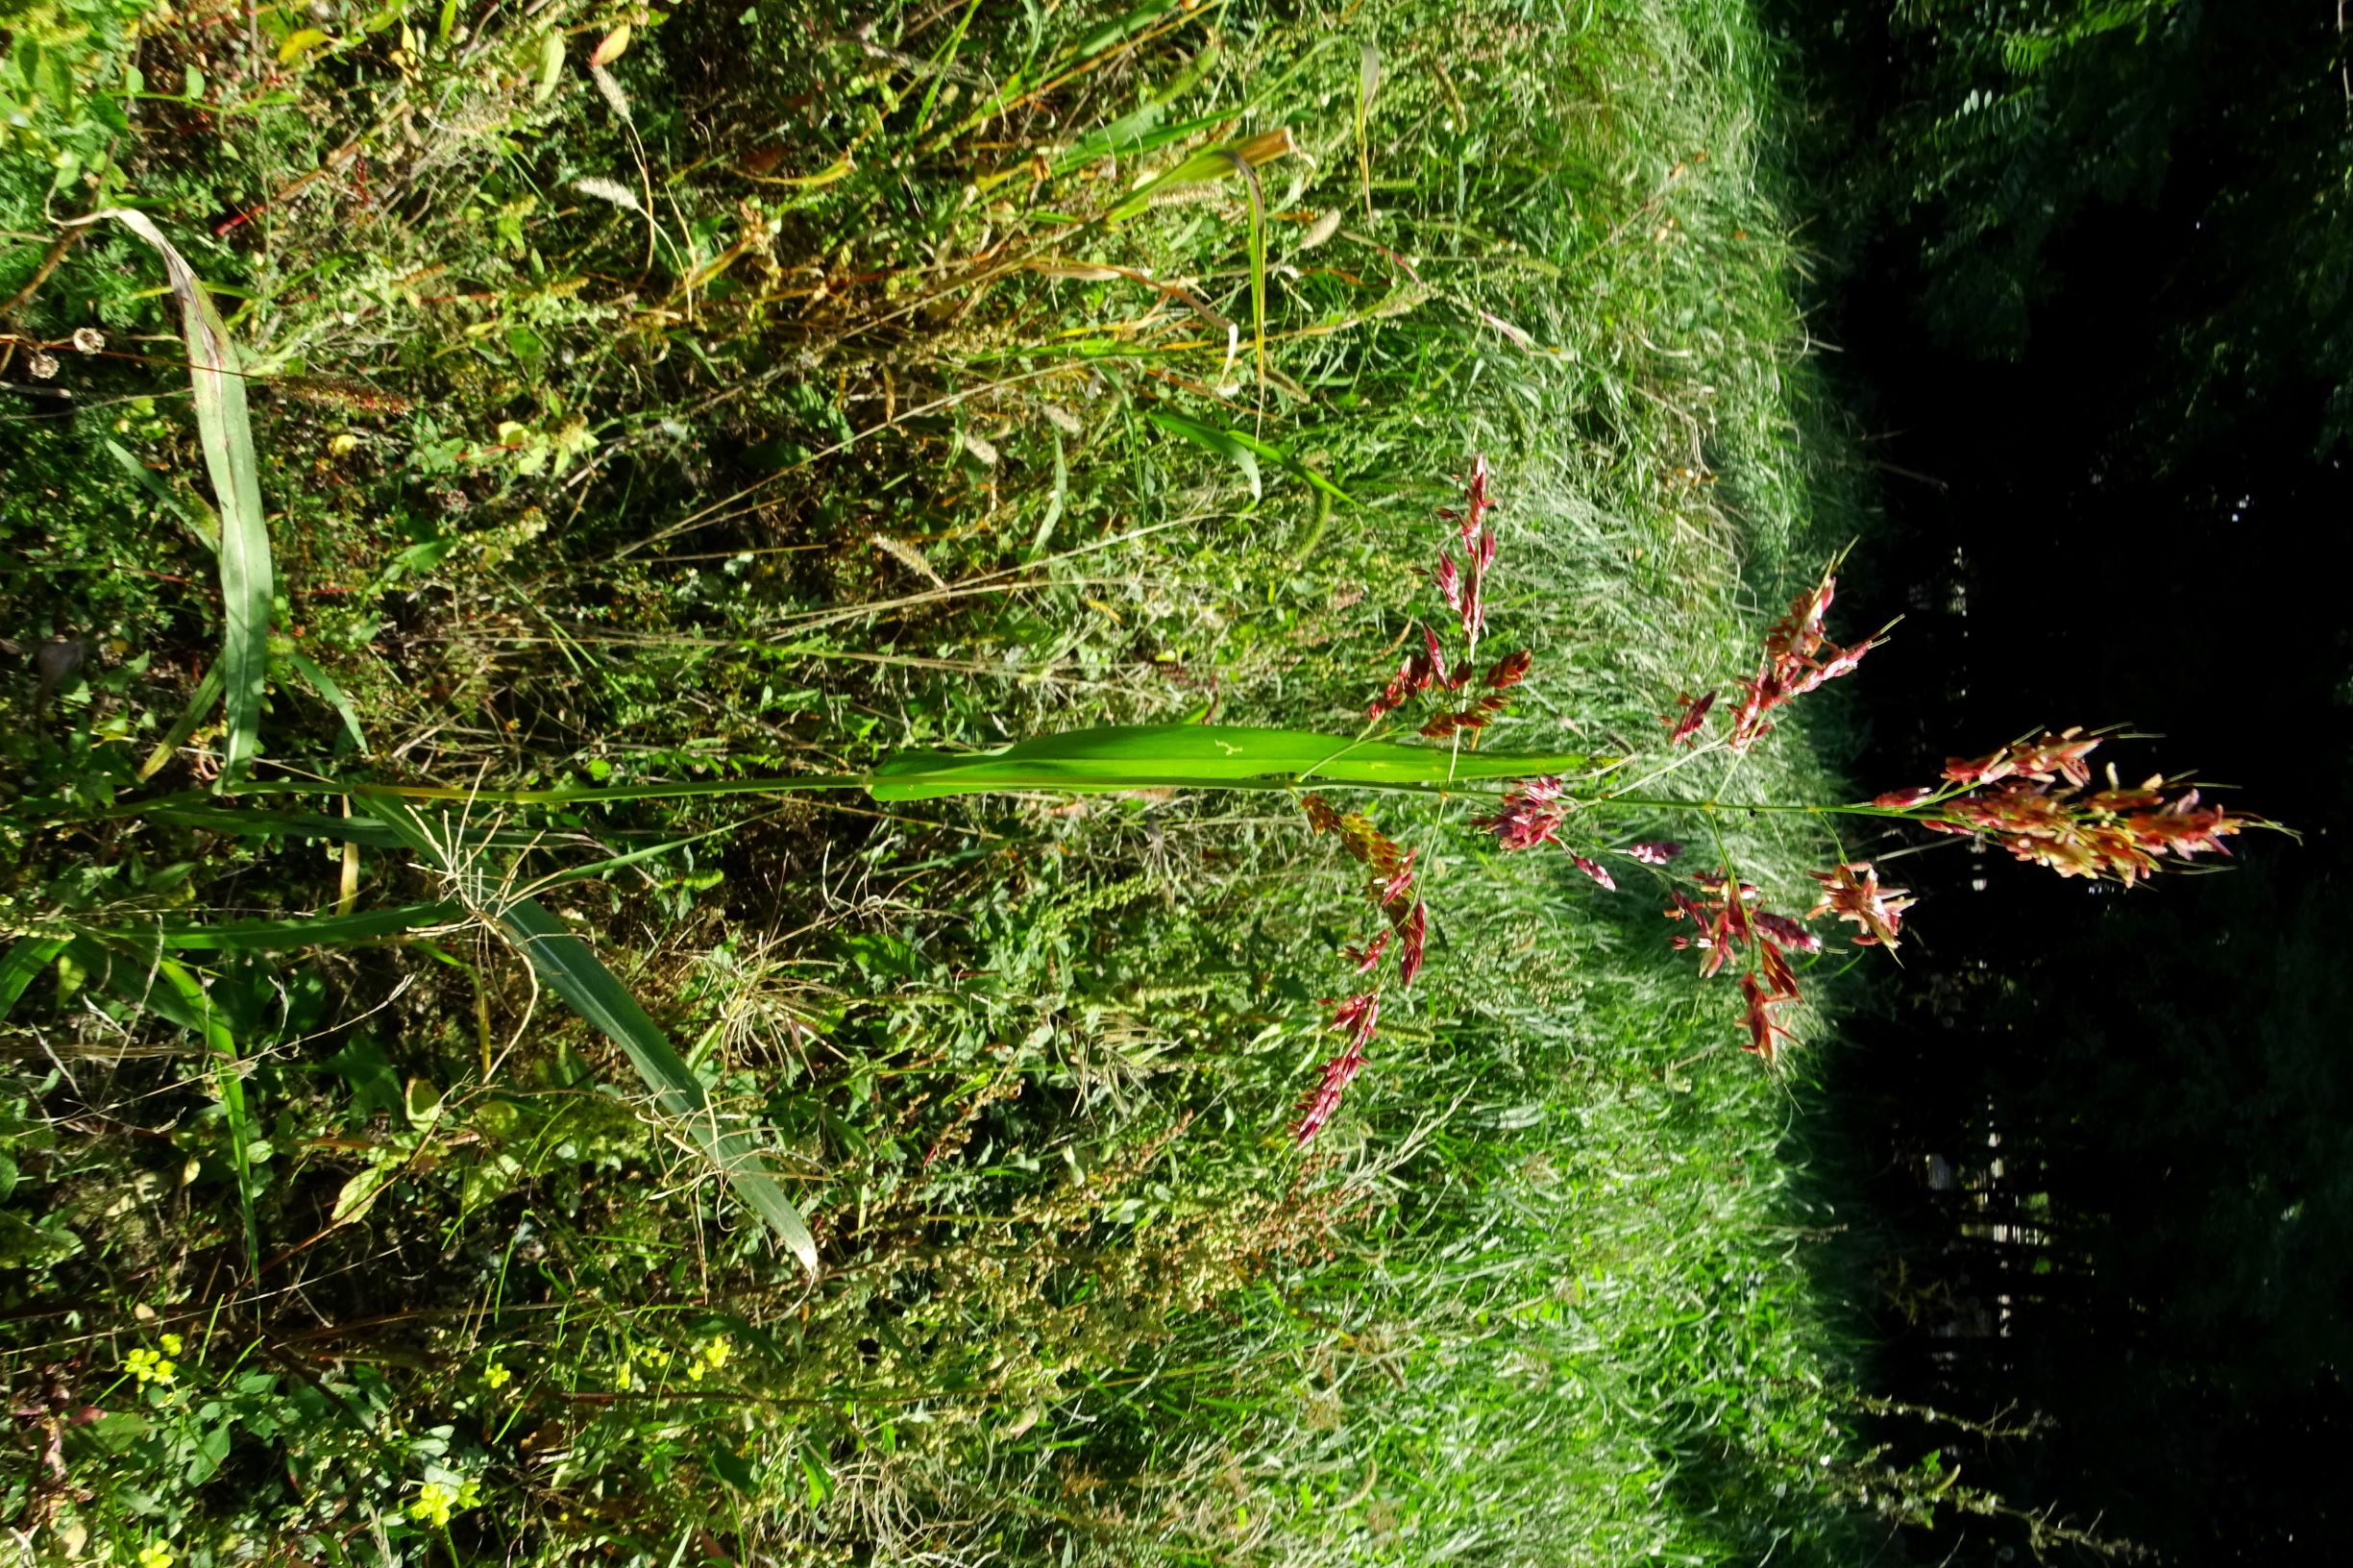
column 758, row 388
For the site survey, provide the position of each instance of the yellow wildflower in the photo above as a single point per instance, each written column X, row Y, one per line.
column 156, row 1554
column 715, row 1353
column 148, row 1368
column 496, row 1376
column 433, row 1504
column 172, row 1343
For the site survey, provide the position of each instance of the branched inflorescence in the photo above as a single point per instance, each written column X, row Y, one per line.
column 2034, row 797
column 1463, row 585
column 1453, row 714
column 1389, row 886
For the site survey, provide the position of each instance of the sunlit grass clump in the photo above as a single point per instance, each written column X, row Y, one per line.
column 648, row 408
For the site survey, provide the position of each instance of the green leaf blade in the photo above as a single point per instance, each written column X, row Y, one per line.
column 569, row 969
column 1202, row 756
column 224, row 429
column 26, row 958
column 294, row 931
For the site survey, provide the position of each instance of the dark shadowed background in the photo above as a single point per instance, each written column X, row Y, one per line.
column 2090, row 279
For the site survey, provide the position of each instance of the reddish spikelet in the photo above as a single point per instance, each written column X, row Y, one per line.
column 1413, row 677
column 2117, row 834
column 1436, row 665
column 1843, row 663
column 1902, row 799
column 1687, row 725
column 1791, row 668
column 1317, row 1109
column 1396, row 891
column 1415, row 931
column 1853, row 893
column 1321, row 818
column 1757, row 697
column 1739, row 921
column 1478, row 550
column 1717, row 881
column 2183, row 828
column 1593, row 870
column 1780, row 931
column 1798, row 634
column 1356, row 1017
column 1529, row 815
column 1510, row 670
column 1710, row 934
column 1655, row 852
column 1721, row 922
column 1449, row 579
column 1986, row 769
column 1471, row 721
column 1757, row 1016
column 1368, row 956
column 1369, row 845
column 2046, row 759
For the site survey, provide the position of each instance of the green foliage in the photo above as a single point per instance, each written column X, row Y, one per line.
column 2027, row 129
column 775, row 398
column 65, row 77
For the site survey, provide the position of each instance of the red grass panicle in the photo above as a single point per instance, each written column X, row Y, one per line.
column 1462, row 585
column 1593, row 870
column 1793, row 665
column 1686, row 726
column 2034, row 798
column 1529, row 815
column 1853, row 893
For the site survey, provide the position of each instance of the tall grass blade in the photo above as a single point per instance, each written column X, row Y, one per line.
column 297, row 931
column 199, row 704
column 573, row 971
column 26, row 958
column 247, row 580
column 172, row 991
column 252, row 823
column 229, row 1080
column 1209, row 438
column 326, row 687
column 203, row 522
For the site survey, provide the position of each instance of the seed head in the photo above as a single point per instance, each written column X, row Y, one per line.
column 1529, row 815
column 1853, row 893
